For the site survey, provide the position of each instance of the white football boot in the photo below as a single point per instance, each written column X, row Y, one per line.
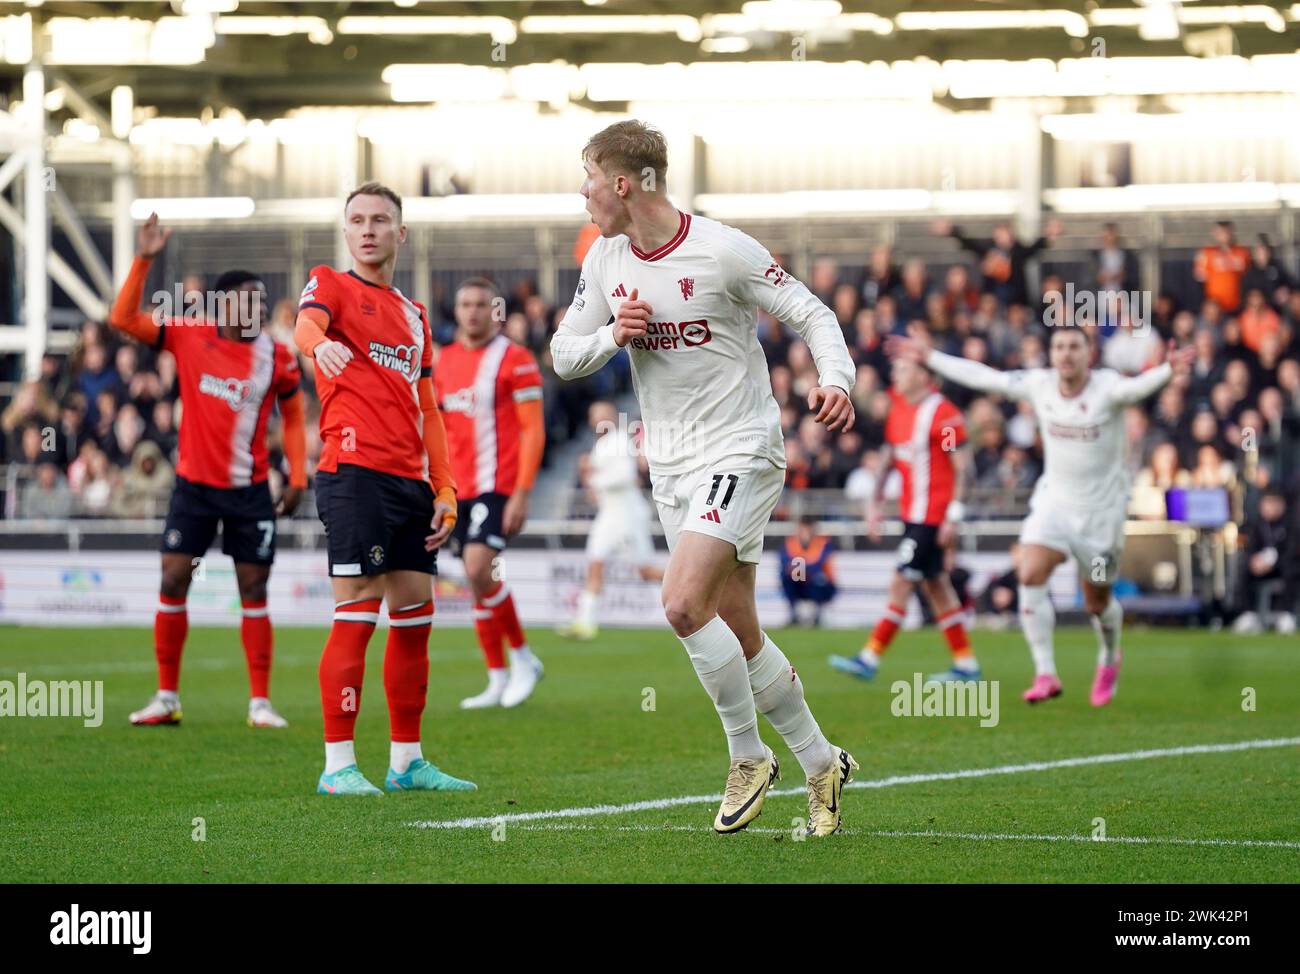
column 262, row 714
column 824, row 791
column 747, row 783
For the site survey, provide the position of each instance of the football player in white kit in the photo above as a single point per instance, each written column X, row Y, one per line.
column 682, row 292
column 622, row 522
column 1079, row 505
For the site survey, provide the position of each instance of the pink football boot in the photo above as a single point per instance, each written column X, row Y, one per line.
column 1046, row 686
column 1104, row 684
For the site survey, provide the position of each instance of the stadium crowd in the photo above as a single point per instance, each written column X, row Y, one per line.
column 96, row 433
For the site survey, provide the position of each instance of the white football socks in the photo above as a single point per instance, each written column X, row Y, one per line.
column 338, row 755
column 520, row 654
column 587, row 602
column 720, row 664
column 401, row 754
column 1107, row 625
column 778, row 696
column 1038, row 620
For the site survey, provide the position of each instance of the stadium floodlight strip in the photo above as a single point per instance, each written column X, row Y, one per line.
column 793, row 18
column 1168, row 196
column 860, row 202
column 195, row 208
column 273, row 26
column 1074, row 24
column 686, row 28
column 501, row 29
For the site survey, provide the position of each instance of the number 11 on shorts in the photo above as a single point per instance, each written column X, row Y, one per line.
column 718, row 478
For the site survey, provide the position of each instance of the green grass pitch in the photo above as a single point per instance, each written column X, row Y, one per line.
column 623, row 720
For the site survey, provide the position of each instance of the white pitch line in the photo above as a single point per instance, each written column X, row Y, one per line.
column 653, row 804
column 929, row 834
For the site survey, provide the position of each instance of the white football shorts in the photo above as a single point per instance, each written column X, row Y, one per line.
column 622, row 528
column 1095, row 538
column 732, row 499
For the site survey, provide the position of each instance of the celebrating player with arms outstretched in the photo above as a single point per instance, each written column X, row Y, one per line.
column 384, row 489
column 1079, row 504
column 681, row 292
column 230, row 374
column 922, row 434
column 490, row 392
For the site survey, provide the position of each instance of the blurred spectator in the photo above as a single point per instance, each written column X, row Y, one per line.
column 163, row 430
column 959, row 294
column 1207, row 369
column 1002, row 258
column 1221, row 266
column 880, row 276
column 147, row 486
column 46, row 496
column 824, row 278
column 32, row 405
column 1114, row 268
column 1269, row 568
column 1164, row 473
column 1202, row 431
column 1211, row 469
column 807, row 570
column 1279, row 436
column 1266, row 275
column 1257, row 319
column 96, row 377
column 910, row 295
column 1140, row 440
column 96, row 484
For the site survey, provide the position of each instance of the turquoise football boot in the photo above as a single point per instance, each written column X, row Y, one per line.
column 423, row 776
column 346, row 781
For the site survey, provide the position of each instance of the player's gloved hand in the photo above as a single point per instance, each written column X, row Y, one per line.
column 331, row 358
column 443, row 521
column 632, row 319
column 833, row 407
column 289, row 501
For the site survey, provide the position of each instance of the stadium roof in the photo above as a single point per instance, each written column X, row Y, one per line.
column 265, row 58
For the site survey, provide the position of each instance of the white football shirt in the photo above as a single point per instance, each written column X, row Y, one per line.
column 699, row 373
column 1083, row 434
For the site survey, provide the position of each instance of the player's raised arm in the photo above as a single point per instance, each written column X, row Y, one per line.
column 754, row 276
column 585, row 339
column 972, row 375
column 125, row 315
column 1129, row 390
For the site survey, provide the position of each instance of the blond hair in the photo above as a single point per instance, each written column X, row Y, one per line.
column 631, row 148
